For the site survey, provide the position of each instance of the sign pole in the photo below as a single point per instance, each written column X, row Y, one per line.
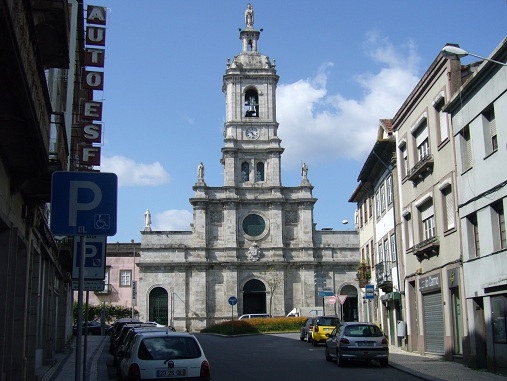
column 79, row 330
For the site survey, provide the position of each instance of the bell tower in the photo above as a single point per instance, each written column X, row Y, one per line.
column 251, row 153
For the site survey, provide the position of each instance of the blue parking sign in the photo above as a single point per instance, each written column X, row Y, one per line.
column 84, row 203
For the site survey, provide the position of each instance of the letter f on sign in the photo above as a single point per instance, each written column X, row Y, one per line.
column 75, row 206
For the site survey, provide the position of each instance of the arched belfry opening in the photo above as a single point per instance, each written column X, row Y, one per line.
column 251, row 103
column 158, row 306
column 254, row 297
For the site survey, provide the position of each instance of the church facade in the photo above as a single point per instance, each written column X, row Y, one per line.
column 251, row 238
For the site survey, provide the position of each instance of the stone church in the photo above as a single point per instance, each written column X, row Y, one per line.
column 251, row 238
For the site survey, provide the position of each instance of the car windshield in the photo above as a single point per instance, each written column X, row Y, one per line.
column 328, row 321
column 363, row 331
column 167, row 348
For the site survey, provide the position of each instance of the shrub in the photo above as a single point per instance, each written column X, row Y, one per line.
column 256, row 325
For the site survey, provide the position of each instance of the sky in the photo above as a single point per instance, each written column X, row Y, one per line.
column 343, row 66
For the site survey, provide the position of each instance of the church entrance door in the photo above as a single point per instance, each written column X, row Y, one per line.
column 158, row 306
column 254, row 297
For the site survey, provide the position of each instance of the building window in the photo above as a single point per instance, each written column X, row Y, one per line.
column 421, row 140
column 448, row 205
column 245, row 172
column 125, row 278
column 382, row 198
column 473, row 235
column 499, row 225
column 499, row 315
column 394, row 255
column 389, row 187
column 489, row 128
column 370, row 207
column 259, row 176
column 365, row 210
column 466, row 149
column 427, row 219
column 380, row 252
column 404, row 155
column 377, row 203
column 386, row 250
column 441, row 119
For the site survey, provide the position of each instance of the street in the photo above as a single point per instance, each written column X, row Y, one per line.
column 269, row 357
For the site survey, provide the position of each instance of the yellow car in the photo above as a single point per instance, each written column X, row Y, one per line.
column 323, row 326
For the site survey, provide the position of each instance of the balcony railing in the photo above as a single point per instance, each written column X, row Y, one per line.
column 107, row 289
column 424, row 165
column 427, row 248
column 383, row 275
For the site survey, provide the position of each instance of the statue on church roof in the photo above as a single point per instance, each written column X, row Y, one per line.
column 200, row 171
column 147, row 220
column 304, row 171
column 249, row 16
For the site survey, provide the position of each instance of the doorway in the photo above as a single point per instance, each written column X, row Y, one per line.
column 254, row 297
column 158, row 306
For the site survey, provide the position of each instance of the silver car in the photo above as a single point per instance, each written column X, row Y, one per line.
column 163, row 356
column 357, row 341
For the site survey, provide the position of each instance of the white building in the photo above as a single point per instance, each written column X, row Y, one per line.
column 251, row 238
column 479, row 121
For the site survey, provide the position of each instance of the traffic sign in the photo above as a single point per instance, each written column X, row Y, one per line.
column 332, row 300
column 342, row 298
column 95, row 257
column 84, row 203
column 369, row 291
column 326, row 293
column 233, row 300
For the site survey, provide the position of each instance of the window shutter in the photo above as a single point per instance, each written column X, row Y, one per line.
column 449, row 207
column 444, row 131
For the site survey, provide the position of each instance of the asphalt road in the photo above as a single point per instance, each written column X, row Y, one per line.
column 283, row 357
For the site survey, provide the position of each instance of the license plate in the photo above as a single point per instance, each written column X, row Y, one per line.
column 176, row 372
column 365, row 344
column 328, row 329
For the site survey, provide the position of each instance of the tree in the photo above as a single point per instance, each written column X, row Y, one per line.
column 273, row 278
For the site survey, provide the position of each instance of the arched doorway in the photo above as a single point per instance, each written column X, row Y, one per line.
column 254, row 297
column 158, row 306
column 349, row 307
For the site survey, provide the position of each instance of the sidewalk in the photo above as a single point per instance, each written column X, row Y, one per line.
column 434, row 368
column 64, row 368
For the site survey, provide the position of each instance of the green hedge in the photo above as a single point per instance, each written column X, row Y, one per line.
column 113, row 312
column 257, row 325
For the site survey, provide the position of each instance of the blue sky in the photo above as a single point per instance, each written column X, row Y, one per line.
column 343, row 65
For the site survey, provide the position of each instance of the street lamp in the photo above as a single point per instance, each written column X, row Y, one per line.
column 134, row 285
column 454, row 51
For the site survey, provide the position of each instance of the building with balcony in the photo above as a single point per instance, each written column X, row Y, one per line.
column 479, row 129
column 376, row 197
column 430, row 235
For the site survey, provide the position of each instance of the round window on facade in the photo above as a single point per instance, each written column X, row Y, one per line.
column 254, row 225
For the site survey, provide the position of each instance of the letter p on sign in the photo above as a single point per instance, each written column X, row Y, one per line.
column 84, row 203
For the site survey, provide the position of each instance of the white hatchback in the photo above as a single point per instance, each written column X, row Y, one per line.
column 164, row 356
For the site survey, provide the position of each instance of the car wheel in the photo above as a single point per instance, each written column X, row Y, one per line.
column 384, row 363
column 314, row 343
column 328, row 357
column 301, row 337
column 309, row 338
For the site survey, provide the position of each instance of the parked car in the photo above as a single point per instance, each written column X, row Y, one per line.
column 160, row 355
column 115, row 331
column 94, row 328
column 357, row 341
column 323, row 326
column 123, row 333
column 254, row 316
column 305, row 332
column 132, row 331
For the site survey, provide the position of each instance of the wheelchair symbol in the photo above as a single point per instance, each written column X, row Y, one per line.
column 102, row 221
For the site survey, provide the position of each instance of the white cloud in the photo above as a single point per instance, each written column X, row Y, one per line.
column 336, row 127
column 131, row 173
column 172, row 220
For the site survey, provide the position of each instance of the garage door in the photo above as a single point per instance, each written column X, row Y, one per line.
column 433, row 323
